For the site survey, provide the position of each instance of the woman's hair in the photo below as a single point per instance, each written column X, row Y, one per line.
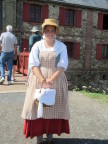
column 9, row 28
column 49, row 25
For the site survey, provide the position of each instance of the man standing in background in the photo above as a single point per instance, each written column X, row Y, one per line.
column 34, row 37
column 8, row 47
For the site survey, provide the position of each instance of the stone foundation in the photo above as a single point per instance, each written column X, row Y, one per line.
column 88, row 80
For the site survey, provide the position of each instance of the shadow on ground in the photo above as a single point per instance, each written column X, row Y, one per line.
column 80, row 141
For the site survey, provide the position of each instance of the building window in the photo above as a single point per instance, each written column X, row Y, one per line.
column 102, row 21
column 105, row 22
column 73, row 50
column 69, row 17
column 70, row 49
column 35, row 13
column 104, row 77
column 104, row 52
column 101, row 51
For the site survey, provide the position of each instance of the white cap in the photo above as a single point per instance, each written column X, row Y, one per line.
column 35, row 29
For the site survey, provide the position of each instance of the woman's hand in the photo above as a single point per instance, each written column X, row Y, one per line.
column 47, row 84
column 50, row 81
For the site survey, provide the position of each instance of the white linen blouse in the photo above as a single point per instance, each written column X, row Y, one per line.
column 59, row 48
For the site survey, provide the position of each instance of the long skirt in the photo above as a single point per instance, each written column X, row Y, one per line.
column 42, row 126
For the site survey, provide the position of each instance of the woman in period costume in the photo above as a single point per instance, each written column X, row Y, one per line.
column 48, row 60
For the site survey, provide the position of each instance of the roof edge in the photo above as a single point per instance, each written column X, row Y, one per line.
column 72, row 4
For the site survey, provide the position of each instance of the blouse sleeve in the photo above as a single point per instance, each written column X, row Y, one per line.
column 63, row 59
column 34, row 57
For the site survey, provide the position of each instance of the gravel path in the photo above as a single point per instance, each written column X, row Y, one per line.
column 88, row 123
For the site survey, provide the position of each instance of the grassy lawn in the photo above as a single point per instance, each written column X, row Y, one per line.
column 98, row 96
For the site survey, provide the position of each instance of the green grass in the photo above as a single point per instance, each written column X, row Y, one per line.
column 99, row 96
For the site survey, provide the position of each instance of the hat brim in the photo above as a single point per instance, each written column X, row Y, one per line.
column 51, row 24
column 34, row 30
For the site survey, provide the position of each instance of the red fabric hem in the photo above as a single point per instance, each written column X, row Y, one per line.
column 41, row 126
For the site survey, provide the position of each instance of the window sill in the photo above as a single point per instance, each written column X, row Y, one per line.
column 33, row 23
column 68, row 26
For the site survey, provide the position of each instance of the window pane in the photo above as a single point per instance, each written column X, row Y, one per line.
column 70, row 49
column 72, row 18
column 32, row 13
column 38, row 13
column 104, row 52
column 105, row 22
column 67, row 17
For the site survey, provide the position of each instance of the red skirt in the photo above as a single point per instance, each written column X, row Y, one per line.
column 41, row 126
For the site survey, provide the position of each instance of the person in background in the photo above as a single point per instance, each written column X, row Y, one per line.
column 14, row 65
column 48, row 60
column 8, row 46
column 34, row 37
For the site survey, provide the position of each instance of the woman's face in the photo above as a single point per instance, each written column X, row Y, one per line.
column 50, row 32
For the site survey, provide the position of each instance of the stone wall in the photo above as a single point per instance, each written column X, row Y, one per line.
column 8, row 13
column 19, row 21
column 92, row 81
column 101, row 37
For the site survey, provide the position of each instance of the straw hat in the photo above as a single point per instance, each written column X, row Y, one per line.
column 34, row 29
column 50, row 22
